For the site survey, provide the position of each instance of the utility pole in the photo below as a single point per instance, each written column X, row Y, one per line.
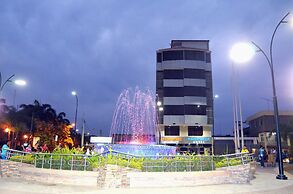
column 82, row 133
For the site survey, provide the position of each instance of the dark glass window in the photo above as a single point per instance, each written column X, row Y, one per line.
column 159, row 57
column 172, row 131
column 173, row 74
column 208, row 57
column 194, row 73
column 184, row 91
column 173, row 91
column 195, row 109
column 174, row 110
column 194, row 55
column 172, row 55
column 194, row 91
column 195, row 130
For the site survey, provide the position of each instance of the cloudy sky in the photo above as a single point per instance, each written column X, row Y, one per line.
column 99, row 48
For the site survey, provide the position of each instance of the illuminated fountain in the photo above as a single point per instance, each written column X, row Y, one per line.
column 134, row 125
column 134, row 119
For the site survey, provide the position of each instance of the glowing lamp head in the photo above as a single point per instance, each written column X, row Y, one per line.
column 216, row 96
column 161, row 109
column 7, row 130
column 159, row 103
column 20, row 82
column 242, row 52
column 291, row 21
column 74, row 93
column 25, row 136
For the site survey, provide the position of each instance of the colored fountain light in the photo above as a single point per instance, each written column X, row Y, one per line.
column 134, row 126
column 134, row 119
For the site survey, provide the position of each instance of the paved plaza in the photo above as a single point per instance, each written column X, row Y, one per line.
column 263, row 183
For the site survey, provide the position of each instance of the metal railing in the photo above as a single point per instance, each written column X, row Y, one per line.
column 158, row 163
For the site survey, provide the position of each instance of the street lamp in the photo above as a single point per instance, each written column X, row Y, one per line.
column 269, row 59
column 16, row 82
column 76, row 107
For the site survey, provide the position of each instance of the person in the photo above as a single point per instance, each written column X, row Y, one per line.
column 18, row 146
column 272, row 157
column 261, row 156
column 28, row 148
column 4, row 151
column 244, row 150
column 45, row 148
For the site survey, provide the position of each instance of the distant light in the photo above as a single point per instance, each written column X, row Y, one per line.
column 72, row 124
column 216, row 96
column 291, row 21
column 159, row 103
column 198, row 106
column 74, row 93
column 25, row 136
column 88, row 133
column 7, row 130
column 161, row 109
column 242, row 52
column 76, row 130
column 20, row 82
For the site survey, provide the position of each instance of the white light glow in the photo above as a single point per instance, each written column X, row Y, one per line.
column 216, row 96
column 159, row 103
column 291, row 21
column 161, row 108
column 20, row 82
column 242, row 52
column 74, row 93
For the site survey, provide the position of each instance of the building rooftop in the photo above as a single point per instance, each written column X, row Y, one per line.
column 268, row 113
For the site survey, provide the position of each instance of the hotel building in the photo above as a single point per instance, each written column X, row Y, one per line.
column 185, row 95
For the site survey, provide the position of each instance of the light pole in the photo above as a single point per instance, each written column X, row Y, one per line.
column 213, row 133
column 16, row 82
column 76, row 108
column 269, row 59
column 159, row 109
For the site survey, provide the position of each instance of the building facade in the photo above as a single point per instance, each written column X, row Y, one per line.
column 185, row 95
column 262, row 125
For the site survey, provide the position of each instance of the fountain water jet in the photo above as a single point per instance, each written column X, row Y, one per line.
column 134, row 119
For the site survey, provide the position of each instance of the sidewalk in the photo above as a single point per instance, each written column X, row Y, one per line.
column 264, row 183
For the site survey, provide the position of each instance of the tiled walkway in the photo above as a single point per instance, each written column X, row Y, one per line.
column 264, row 183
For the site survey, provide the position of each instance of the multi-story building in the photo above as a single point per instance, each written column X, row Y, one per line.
column 185, row 95
column 262, row 125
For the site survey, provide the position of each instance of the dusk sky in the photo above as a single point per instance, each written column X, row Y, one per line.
column 99, row 48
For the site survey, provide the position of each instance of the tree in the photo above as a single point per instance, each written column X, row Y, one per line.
column 39, row 120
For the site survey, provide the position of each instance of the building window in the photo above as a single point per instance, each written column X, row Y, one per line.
column 208, row 57
column 194, row 73
column 173, row 110
column 173, row 92
column 195, row 130
column 185, row 91
column 195, row 91
column 172, row 131
column 173, row 74
column 172, row 55
column 195, row 110
column 194, row 55
column 159, row 57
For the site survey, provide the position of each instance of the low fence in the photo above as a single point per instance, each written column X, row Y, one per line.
column 174, row 163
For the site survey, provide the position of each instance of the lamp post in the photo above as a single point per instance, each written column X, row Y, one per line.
column 16, row 82
column 76, row 108
column 269, row 59
column 159, row 108
column 213, row 134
